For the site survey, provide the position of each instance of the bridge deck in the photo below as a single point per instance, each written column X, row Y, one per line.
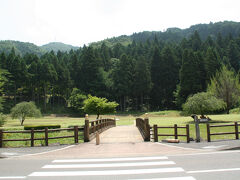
column 121, row 134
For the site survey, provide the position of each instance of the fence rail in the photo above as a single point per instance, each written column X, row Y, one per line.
column 236, row 130
column 175, row 135
column 46, row 131
column 144, row 128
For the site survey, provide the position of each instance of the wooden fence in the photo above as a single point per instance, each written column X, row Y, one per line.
column 144, row 128
column 235, row 125
column 175, row 135
column 45, row 131
column 89, row 131
column 96, row 126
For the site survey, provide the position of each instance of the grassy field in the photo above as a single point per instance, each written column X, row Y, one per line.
column 162, row 118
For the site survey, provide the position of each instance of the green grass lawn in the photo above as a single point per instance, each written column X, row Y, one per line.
column 162, row 118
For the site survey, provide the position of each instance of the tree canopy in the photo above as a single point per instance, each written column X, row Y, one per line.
column 225, row 85
column 202, row 103
column 23, row 110
column 96, row 105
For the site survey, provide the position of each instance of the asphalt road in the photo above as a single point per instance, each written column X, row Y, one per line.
column 214, row 165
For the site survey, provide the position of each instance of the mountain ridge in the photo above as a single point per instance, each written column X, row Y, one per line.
column 173, row 34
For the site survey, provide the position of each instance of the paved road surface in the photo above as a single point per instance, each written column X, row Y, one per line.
column 201, row 166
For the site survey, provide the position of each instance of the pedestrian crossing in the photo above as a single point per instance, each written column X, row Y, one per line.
column 134, row 168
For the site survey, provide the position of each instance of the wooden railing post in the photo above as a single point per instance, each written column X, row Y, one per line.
column 32, row 137
column 93, row 127
column 187, row 133
column 1, row 138
column 208, row 133
column 46, row 136
column 175, row 131
column 76, row 134
column 147, row 129
column 155, row 129
column 86, row 129
column 236, row 130
column 97, row 126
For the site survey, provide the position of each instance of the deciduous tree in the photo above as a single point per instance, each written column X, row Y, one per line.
column 225, row 85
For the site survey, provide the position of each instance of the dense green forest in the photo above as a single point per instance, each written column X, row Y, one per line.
column 151, row 71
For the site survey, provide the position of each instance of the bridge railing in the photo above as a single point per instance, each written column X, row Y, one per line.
column 91, row 128
column 144, row 128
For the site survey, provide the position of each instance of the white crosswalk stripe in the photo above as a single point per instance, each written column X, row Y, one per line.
column 129, row 164
column 114, row 167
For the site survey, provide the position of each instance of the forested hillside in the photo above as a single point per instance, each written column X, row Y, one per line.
column 57, row 46
column 175, row 35
column 21, row 48
column 154, row 73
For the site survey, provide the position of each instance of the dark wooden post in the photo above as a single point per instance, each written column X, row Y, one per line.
column 1, row 138
column 114, row 123
column 147, row 129
column 46, row 136
column 101, row 125
column 97, row 126
column 187, row 133
column 236, row 130
column 76, row 134
column 208, row 133
column 32, row 137
column 86, row 129
column 155, row 129
column 175, row 131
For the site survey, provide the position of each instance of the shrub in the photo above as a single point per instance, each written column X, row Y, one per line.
column 37, row 127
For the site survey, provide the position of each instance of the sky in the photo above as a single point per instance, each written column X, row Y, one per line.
column 79, row 22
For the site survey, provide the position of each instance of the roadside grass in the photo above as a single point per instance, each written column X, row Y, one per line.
column 163, row 118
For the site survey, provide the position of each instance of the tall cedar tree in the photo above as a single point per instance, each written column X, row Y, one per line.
column 169, row 77
column 212, row 63
column 190, row 77
column 156, row 69
column 142, row 82
column 233, row 52
column 92, row 80
column 123, row 78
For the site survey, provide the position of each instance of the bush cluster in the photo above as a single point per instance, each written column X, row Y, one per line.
column 37, row 127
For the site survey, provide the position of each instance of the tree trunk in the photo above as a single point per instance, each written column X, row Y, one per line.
column 15, row 94
column 227, row 110
column 22, row 121
column 142, row 97
column 45, row 97
column 33, row 94
column 124, row 103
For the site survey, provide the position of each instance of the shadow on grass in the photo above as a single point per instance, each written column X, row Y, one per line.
column 133, row 113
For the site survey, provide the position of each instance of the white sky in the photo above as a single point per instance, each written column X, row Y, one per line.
column 79, row 22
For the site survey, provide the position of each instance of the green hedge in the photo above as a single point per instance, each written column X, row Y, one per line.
column 36, row 127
